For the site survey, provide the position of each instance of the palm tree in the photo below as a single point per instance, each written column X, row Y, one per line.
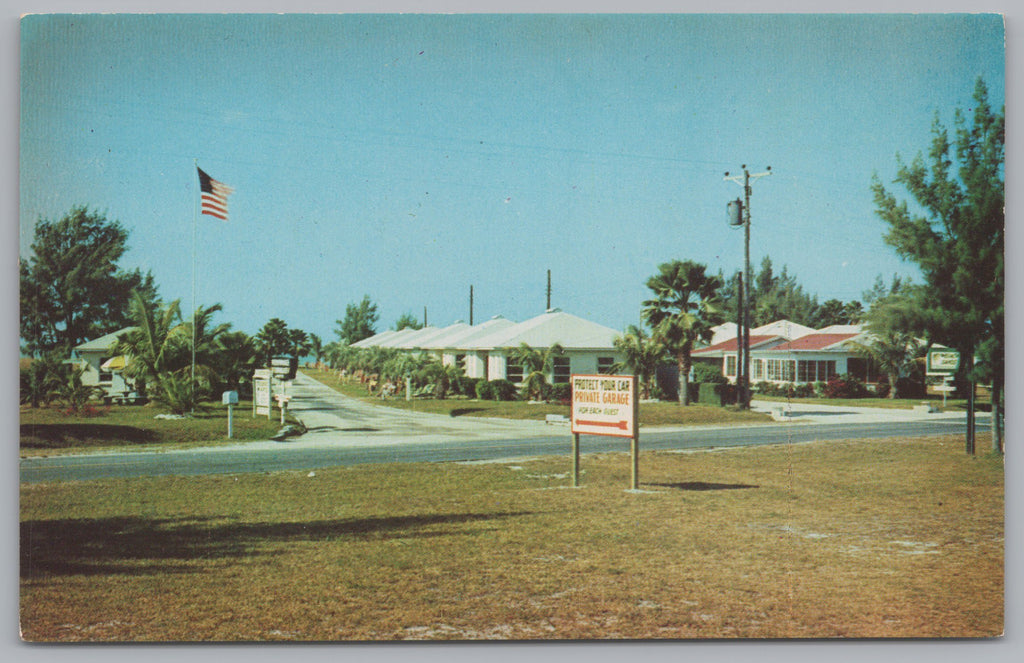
column 206, row 335
column 157, row 335
column 40, row 380
column 235, row 357
column 893, row 351
column 73, row 392
column 299, row 342
column 684, row 310
column 641, row 356
column 316, row 346
column 537, row 364
column 272, row 340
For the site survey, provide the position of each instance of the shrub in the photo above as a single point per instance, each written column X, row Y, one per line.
column 845, row 386
column 503, row 390
column 708, row 373
column 805, row 390
column 717, row 394
column 484, row 390
column 911, row 388
column 882, row 389
column 467, row 386
column 561, row 392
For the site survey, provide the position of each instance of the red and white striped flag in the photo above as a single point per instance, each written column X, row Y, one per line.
column 214, row 196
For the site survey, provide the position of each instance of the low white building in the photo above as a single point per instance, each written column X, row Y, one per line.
column 589, row 347
column 486, row 350
column 784, row 351
column 103, row 368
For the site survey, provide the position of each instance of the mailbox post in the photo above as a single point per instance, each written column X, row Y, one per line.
column 282, row 402
column 230, row 398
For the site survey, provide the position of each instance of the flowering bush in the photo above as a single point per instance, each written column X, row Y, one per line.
column 845, row 386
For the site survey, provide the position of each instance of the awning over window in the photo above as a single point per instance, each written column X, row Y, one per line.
column 114, row 364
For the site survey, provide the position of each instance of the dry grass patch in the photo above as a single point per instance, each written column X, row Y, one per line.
column 895, row 538
column 49, row 430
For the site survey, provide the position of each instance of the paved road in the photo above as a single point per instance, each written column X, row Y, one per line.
column 347, row 432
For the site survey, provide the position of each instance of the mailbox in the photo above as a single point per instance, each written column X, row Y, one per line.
column 229, row 398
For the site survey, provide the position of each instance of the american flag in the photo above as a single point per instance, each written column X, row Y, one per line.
column 215, row 196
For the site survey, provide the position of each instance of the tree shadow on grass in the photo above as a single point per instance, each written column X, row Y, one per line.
column 459, row 411
column 58, row 436
column 141, row 546
column 701, row 486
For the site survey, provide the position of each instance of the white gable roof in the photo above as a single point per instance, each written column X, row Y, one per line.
column 427, row 335
column 400, row 338
column 723, row 332
column 842, row 329
column 464, row 337
column 376, row 339
column 549, row 328
column 103, row 343
column 784, row 328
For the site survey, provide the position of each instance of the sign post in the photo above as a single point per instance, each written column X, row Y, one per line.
column 230, row 398
column 261, row 392
column 606, row 405
column 943, row 362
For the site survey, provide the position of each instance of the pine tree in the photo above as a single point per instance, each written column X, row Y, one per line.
column 958, row 242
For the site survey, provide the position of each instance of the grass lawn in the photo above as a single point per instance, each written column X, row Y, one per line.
column 651, row 414
column 869, row 539
column 952, row 405
column 48, row 430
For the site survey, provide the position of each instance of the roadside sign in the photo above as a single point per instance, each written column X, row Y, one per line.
column 261, row 392
column 942, row 361
column 604, row 405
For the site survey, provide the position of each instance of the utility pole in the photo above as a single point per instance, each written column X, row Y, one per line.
column 548, row 307
column 743, row 333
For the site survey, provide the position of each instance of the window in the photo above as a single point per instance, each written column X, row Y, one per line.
column 513, row 371
column 779, row 370
column 757, row 369
column 105, row 376
column 815, row 371
column 561, row 370
column 604, row 365
column 863, row 369
column 730, row 365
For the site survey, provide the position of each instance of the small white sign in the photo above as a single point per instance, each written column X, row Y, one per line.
column 604, row 405
column 261, row 394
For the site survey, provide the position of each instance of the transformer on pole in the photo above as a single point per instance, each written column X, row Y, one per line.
column 739, row 214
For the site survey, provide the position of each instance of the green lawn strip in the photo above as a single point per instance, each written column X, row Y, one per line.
column 829, row 539
column 890, row 403
column 651, row 414
column 49, row 430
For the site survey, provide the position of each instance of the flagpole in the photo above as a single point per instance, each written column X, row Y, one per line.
column 195, row 223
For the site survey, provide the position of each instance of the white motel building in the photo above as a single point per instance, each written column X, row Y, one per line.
column 484, row 350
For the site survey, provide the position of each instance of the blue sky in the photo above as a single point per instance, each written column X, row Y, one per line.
column 407, row 157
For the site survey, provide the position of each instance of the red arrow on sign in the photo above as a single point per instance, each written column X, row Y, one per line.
column 621, row 425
